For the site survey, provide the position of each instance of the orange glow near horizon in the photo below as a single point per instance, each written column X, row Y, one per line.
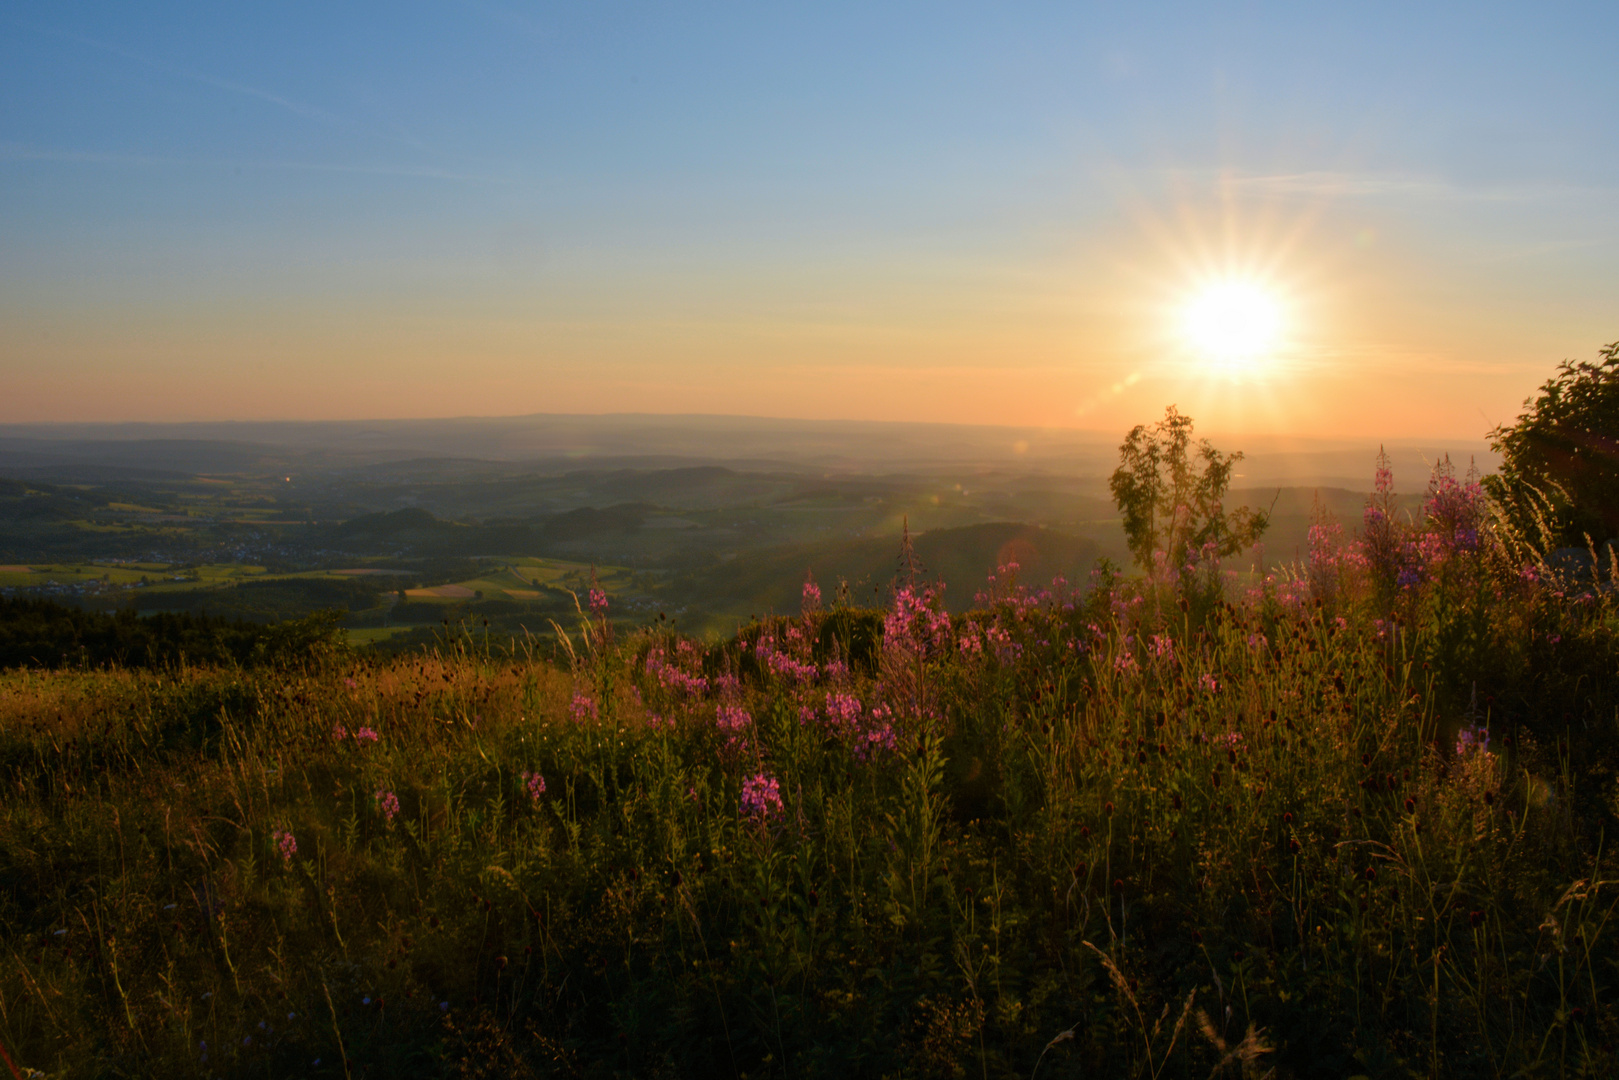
column 1277, row 320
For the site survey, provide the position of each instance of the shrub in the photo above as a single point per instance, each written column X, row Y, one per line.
column 1564, row 448
column 1170, row 504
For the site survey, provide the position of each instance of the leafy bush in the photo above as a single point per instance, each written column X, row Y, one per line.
column 1565, row 447
column 1170, row 506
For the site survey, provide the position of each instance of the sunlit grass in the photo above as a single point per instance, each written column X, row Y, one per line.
column 1171, row 830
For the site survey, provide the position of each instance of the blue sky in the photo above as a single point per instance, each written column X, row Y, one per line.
column 935, row 211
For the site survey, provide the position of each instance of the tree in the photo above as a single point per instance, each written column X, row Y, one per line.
column 1565, row 447
column 1172, row 505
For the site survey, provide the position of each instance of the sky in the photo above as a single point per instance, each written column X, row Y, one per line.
column 941, row 212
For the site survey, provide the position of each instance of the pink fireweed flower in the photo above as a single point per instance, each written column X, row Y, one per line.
column 1000, row 639
column 340, row 733
column 1472, row 740
column 784, row 665
column 673, row 677
column 598, row 601
column 812, row 596
column 534, row 784
column 1385, row 475
column 732, row 718
column 387, row 802
column 1125, row 664
column 1162, row 647
column 1208, row 683
column 917, row 621
column 842, row 711
column 761, row 797
column 879, row 738
column 972, row 643
column 583, row 707
column 285, row 845
column 366, row 735
column 350, row 682
column 1455, row 509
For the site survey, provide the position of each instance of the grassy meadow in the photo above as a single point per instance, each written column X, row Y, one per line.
column 1352, row 820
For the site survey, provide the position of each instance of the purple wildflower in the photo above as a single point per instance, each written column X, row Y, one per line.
column 812, row 596
column 1472, row 740
column 733, row 718
column 761, row 797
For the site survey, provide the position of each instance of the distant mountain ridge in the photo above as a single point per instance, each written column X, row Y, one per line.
column 558, row 442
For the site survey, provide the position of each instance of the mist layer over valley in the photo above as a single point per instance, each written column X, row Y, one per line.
column 410, row 525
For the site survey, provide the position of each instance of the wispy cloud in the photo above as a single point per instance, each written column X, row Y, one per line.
column 22, row 152
column 230, row 86
column 299, row 108
column 1356, row 185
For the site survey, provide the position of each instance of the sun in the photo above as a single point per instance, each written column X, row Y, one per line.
column 1234, row 324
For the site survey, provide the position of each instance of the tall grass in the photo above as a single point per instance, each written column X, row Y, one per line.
column 1339, row 826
